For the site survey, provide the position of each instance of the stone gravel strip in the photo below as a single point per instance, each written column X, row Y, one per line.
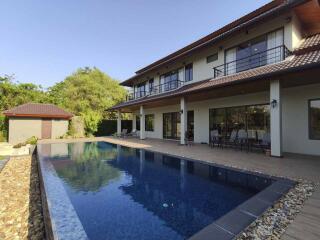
column 20, row 202
column 273, row 223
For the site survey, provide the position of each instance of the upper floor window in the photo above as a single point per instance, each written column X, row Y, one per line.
column 170, row 80
column 188, row 72
column 212, row 58
column 262, row 50
column 314, row 119
column 141, row 89
column 151, row 85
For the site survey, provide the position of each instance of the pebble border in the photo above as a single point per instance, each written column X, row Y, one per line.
column 273, row 223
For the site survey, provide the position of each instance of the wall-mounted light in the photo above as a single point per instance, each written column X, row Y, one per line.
column 220, row 48
column 181, row 111
column 274, row 103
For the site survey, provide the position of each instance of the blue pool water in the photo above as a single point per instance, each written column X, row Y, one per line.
column 125, row 193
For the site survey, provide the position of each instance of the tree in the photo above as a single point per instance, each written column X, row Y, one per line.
column 88, row 92
column 13, row 94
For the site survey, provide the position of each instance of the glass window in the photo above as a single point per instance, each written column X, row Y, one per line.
column 255, row 119
column 218, row 120
column 170, row 80
column 236, row 119
column 151, row 85
column 149, row 122
column 141, row 90
column 188, row 72
column 314, row 119
column 138, row 123
column 212, row 58
column 258, row 117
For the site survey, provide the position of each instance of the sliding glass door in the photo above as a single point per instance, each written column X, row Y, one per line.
column 250, row 118
column 171, row 125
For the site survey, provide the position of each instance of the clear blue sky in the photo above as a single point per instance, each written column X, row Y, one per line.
column 43, row 41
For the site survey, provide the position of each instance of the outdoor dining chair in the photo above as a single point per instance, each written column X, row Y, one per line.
column 215, row 138
column 243, row 139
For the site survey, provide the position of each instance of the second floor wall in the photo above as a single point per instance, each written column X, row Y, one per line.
column 284, row 30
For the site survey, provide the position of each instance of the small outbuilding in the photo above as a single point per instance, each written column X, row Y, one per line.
column 44, row 121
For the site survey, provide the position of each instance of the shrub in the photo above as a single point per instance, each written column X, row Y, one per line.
column 3, row 137
column 33, row 140
column 19, row 145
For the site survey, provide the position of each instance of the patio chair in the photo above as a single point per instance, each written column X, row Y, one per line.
column 243, row 139
column 133, row 133
column 252, row 134
column 264, row 141
column 232, row 141
column 260, row 134
column 123, row 133
column 215, row 138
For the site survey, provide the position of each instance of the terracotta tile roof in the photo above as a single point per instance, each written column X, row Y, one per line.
column 38, row 110
column 266, row 11
column 296, row 62
column 309, row 44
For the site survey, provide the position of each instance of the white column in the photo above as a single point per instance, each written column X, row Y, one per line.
column 183, row 171
column 183, row 124
column 134, row 121
column 275, row 118
column 142, row 122
column 142, row 160
column 118, row 153
column 118, row 122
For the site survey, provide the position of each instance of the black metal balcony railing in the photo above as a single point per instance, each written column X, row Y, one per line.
column 156, row 89
column 272, row 55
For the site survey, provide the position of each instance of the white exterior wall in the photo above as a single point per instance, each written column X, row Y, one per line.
column 59, row 127
column 295, row 120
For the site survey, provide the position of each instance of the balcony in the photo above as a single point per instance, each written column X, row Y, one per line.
column 270, row 56
column 156, row 89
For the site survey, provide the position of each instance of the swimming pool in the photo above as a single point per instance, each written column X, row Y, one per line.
column 98, row 190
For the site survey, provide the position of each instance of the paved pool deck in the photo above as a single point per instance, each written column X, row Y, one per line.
column 299, row 167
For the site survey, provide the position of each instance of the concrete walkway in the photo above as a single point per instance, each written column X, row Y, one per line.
column 306, row 226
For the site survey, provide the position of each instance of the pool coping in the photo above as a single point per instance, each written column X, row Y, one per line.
column 229, row 226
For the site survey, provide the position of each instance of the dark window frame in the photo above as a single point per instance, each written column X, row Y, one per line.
column 188, row 72
column 237, row 106
column 214, row 55
column 138, row 119
column 146, row 125
column 311, row 137
column 151, row 84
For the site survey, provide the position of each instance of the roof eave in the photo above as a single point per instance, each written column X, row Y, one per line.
column 37, row 115
column 265, row 75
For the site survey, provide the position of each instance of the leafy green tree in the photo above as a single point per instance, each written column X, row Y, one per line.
column 88, row 92
column 88, row 168
column 13, row 94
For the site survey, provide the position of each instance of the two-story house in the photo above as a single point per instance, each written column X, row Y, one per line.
column 260, row 72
